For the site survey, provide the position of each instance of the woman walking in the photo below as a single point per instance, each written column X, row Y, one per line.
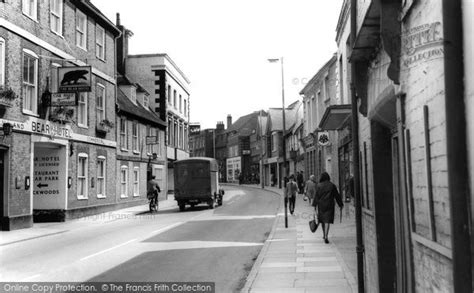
column 310, row 189
column 326, row 194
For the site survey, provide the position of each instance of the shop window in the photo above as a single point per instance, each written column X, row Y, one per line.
column 82, row 171
column 136, row 181
column 56, row 17
column 29, row 84
column 101, row 175
column 124, row 181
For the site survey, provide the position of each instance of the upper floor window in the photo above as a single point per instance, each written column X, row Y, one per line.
column 169, row 94
column 30, row 8
column 54, row 77
column 135, row 136
column 185, row 108
column 146, row 102
column 56, row 17
column 274, row 141
column 2, row 62
column 82, row 110
column 133, row 94
column 99, row 42
column 180, row 104
column 149, row 147
column 29, row 85
column 81, row 30
column 174, row 99
column 100, row 102
column 123, row 133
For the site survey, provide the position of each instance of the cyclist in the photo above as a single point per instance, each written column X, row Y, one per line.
column 152, row 192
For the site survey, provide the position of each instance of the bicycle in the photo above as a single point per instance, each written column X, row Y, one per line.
column 153, row 203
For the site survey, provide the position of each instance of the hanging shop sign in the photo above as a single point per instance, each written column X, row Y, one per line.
column 63, row 99
column 74, row 79
column 323, row 138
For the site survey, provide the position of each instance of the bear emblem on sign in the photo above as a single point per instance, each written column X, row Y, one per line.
column 73, row 77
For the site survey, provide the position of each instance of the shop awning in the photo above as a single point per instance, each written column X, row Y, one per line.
column 335, row 117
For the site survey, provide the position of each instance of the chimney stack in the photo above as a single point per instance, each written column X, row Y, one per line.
column 229, row 121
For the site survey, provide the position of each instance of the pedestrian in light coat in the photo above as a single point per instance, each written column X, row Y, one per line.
column 326, row 194
column 310, row 189
column 290, row 193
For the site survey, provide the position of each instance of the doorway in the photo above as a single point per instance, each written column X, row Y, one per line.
column 49, row 182
column 391, row 203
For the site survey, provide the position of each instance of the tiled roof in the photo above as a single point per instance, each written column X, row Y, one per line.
column 245, row 124
column 137, row 111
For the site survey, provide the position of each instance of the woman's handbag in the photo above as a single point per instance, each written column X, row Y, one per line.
column 313, row 225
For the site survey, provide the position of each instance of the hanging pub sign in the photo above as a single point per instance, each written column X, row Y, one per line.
column 74, row 79
column 63, row 99
column 323, row 138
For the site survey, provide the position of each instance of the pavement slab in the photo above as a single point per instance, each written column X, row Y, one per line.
column 295, row 260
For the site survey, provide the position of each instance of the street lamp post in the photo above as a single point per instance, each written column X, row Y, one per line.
column 284, row 132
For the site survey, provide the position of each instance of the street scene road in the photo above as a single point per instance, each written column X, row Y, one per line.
column 198, row 244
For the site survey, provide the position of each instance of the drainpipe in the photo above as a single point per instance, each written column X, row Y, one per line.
column 458, row 182
column 355, row 157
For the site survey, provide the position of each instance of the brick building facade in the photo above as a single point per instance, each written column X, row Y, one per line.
column 59, row 162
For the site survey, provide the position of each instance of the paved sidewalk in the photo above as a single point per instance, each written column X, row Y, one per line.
column 295, row 260
column 52, row 228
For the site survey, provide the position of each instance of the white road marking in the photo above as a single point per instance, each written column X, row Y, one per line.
column 219, row 218
column 167, row 228
column 175, row 245
column 108, row 249
column 29, row 278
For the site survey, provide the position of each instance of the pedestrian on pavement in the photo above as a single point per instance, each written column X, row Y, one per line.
column 152, row 190
column 326, row 194
column 310, row 189
column 300, row 182
column 290, row 193
column 274, row 179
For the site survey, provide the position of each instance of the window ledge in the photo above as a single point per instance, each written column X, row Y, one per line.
column 136, row 152
column 82, row 126
column 82, row 198
column 123, row 196
column 136, row 195
column 101, row 196
column 447, row 252
column 123, row 150
column 29, row 113
column 368, row 212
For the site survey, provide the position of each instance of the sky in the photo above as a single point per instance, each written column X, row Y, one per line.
column 222, row 46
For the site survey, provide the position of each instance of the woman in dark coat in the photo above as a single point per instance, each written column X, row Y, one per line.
column 326, row 194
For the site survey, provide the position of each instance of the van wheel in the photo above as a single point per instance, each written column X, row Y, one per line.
column 211, row 203
column 182, row 206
